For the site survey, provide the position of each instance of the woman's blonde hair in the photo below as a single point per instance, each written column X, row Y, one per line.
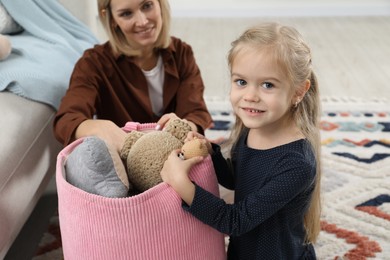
column 117, row 39
column 293, row 56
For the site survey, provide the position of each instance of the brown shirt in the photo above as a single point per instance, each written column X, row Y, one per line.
column 114, row 88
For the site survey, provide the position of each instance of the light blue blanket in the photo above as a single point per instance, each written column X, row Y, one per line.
column 43, row 56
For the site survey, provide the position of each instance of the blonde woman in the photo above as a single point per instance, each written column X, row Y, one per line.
column 140, row 74
column 274, row 165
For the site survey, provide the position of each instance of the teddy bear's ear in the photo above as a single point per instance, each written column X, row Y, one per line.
column 178, row 128
column 131, row 138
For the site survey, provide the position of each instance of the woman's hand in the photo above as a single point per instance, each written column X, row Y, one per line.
column 175, row 172
column 167, row 117
column 104, row 129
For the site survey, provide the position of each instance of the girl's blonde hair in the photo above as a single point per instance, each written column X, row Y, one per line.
column 293, row 56
column 117, row 39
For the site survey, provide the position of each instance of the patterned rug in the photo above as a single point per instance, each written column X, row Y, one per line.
column 356, row 179
column 50, row 246
column 355, row 138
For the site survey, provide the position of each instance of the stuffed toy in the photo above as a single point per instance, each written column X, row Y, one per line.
column 145, row 153
column 5, row 47
column 193, row 148
column 97, row 168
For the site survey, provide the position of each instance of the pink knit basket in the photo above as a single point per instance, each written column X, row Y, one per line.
column 151, row 225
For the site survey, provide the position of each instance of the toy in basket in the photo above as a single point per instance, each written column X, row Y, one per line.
column 96, row 168
column 147, row 225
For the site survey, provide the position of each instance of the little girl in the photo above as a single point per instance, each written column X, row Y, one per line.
column 274, row 165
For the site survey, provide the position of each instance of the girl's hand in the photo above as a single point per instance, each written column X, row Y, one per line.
column 175, row 172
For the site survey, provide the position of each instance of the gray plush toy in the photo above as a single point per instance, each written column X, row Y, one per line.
column 95, row 168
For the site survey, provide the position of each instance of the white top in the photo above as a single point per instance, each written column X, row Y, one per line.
column 155, row 79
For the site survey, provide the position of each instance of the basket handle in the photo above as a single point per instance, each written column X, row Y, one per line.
column 135, row 126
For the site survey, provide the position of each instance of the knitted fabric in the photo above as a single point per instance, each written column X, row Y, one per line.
column 44, row 54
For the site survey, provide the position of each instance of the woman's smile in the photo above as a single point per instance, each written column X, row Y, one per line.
column 143, row 30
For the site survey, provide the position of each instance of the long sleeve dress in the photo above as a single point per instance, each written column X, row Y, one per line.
column 273, row 189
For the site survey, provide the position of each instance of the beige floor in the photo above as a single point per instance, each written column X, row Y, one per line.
column 350, row 38
column 351, row 54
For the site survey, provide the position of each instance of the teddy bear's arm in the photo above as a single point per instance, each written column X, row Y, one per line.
column 131, row 138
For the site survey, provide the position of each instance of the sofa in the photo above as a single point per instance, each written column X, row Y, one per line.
column 31, row 88
column 27, row 164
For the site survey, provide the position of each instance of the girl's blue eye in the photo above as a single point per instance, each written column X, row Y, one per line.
column 267, row 85
column 240, row 82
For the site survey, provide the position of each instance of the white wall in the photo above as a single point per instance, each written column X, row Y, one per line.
column 261, row 8
column 86, row 11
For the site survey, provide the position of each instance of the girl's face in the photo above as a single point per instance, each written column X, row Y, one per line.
column 261, row 95
column 139, row 20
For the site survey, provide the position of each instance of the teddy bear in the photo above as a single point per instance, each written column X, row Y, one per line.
column 193, row 148
column 144, row 154
column 97, row 168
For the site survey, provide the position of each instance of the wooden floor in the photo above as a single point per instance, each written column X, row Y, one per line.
column 351, row 55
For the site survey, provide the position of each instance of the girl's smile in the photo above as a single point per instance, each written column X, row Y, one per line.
column 253, row 111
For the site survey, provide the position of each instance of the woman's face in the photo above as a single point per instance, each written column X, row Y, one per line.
column 139, row 20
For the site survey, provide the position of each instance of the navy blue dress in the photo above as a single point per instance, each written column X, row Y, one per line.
column 272, row 188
